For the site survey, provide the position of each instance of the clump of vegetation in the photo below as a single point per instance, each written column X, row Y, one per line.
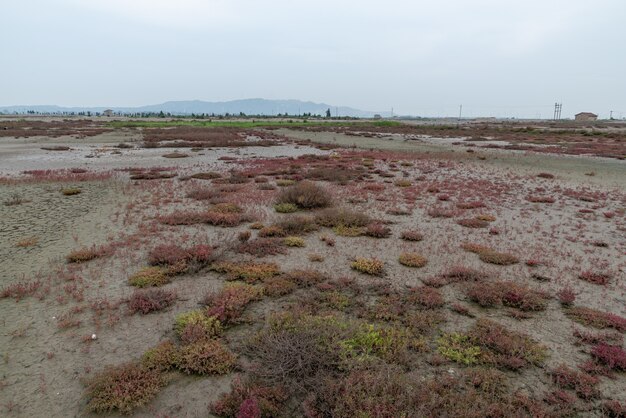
column 262, row 247
column 377, row 230
column 249, row 272
column 595, row 277
column 151, row 300
column 163, row 357
column 412, row 236
column 178, row 259
column 412, row 260
column 247, row 400
column 611, row 356
column 285, row 182
column 294, row 242
column 285, row 208
column 566, row 296
column 473, row 223
column 86, row 254
column 298, row 225
column 150, row 276
column 208, row 357
column 278, row 286
column 209, row 325
column 582, row 383
column 540, row 199
column 272, row 231
column 305, row 195
column 228, row 304
column 595, row 318
column 508, row 294
column 27, row 242
column 488, row 255
column 332, row 218
column 123, row 388
column 71, row 191
column 458, row 348
column 371, row 266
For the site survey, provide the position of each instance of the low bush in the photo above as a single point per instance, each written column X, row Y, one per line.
column 566, row 296
column 210, row 326
column 371, row 266
column 163, row 357
column 464, row 274
column 595, row 277
column 582, row 383
column 71, row 191
column 294, row 242
column 377, row 230
column 611, row 356
column 595, row 318
column 424, row 297
column 331, row 218
column 412, row 260
column 249, row 272
column 473, row 223
column 278, row 286
column 285, row 208
column 209, row 357
column 262, row 247
column 508, row 294
column 411, row 236
column 123, row 388
column 272, row 231
column 250, row 400
column 298, row 225
column 540, row 199
column 501, row 259
column 228, row 304
column 305, row 278
column 150, row 300
column 150, row 276
column 305, row 195
column 178, row 259
column 459, row 348
column 86, row 254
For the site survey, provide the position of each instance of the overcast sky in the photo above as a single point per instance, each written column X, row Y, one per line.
column 496, row 57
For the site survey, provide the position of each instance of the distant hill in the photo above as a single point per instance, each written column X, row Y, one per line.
column 187, row 107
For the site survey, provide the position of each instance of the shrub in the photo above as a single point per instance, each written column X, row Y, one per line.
column 245, row 395
column 150, row 300
column 595, row 318
column 150, row 276
column 163, row 357
column 27, row 242
column 403, row 183
column 425, row 297
column 438, row 212
column 377, row 230
column 179, row 259
column 123, row 388
column 372, row 266
column 85, row 254
column 20, row 290
column 305, row 278
column 348, row 231
column 545, row 175
column 71, row 191
column 316, row 258
column 595, row 278
column 228, row 304
column 298, row 225
column 206, row 357
column 272, row 231
column 262, row 247
column 285, row 208
column 278, row 286
column 250, row 272
column 613, row 356
column 506, row 348
column 614, row 409
column 423, row 322
column 475, row 248
column 412, row 260
column 305, row 195
column 209, row 325
column 331, row 218
column 566, row 296
column 473, row 223
column 411, row 236
column 582, row 383
column 285, row 182
column 244, row 236
column 508, row 294
column 494, row 257
column 294, row 242
column 470, row 205
column 540, row 199
column 464, row 274
column 458, row 348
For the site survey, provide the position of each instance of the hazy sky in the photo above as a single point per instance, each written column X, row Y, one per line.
column 496, row 57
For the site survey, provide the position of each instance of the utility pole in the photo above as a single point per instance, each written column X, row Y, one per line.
column 460, row 112
column 611, row 117
column 557, row 111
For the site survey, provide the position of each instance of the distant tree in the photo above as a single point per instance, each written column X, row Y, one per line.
column 328, row 113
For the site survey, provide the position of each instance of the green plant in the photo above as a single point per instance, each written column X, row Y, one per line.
column 209, row 324
column 372, row 266
column 250, row 272
column 458, row 348
column 162, row 357
column 412, row 260
column 206, row 357
column 123, row 388
column 285, row 208
column 294, row 242
column 150, row 276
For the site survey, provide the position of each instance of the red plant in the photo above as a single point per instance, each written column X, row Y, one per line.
column 595, row 318
column 150, row 300
column 612, row 356
column 566, row 296
column 243, row 398
column 582, row 383
column 262, row 247
column 595, row 278
column 377, row 230
column 20, row 290
column 228, row 304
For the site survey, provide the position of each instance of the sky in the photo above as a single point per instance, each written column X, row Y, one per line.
column 495, row 57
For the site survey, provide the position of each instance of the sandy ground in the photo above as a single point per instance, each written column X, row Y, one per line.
column 42, row 364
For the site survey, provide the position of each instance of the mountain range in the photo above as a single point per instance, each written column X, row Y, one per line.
column 187, row 107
